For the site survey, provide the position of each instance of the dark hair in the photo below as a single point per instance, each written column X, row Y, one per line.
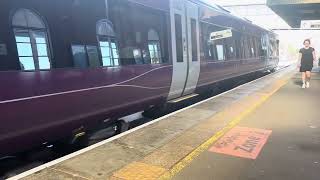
column 306, row 41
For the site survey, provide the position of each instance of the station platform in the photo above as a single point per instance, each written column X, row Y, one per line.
column 266, row 129
column 290, row 120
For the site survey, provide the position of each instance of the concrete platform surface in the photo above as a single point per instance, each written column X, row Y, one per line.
column 292, row 152
column 166, row 148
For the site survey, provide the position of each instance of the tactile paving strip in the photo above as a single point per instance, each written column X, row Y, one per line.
column 139, row 171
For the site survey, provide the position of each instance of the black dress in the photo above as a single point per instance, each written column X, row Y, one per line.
column 306, row 59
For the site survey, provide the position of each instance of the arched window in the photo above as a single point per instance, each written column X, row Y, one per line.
column 154, row 47
column 32, row 40
column 107, row 43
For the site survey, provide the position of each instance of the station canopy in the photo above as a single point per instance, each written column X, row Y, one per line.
column 296, row 12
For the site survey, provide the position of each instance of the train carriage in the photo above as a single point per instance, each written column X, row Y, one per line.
column 71, row 65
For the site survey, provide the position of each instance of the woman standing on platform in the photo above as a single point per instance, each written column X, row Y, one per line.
column 306, row 57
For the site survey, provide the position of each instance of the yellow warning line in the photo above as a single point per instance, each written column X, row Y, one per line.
column 188, row 159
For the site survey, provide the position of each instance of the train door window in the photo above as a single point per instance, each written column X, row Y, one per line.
column 80, row 58
column 194, row 40
column 31, row 40
column 220, row 52
column 179, row 40
column 107, row 43
column 154, row 47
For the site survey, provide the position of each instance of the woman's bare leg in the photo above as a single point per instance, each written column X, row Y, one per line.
column 308, row 76
column 303, row 77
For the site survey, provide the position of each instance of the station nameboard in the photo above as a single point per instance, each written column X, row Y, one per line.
column 221, row 34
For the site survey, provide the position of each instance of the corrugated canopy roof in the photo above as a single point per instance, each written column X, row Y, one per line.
column 294, row 11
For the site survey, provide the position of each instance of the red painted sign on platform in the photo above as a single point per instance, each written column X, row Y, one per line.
column 242, row 142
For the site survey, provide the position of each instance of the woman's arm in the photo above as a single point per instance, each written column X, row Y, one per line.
column 314, row 55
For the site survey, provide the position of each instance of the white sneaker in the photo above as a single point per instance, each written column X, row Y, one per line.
column 303, row 86
column 308, row 85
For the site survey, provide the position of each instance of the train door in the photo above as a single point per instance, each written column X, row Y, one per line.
column 192, row 16
column 185, row 48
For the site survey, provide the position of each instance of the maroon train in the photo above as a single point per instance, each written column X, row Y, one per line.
column 70, row 65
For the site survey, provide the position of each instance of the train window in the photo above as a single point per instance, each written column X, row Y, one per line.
column 254, row 47
column 107, row 43
column 179, row 40
column 252, row 52
column 230, row 49
column 31, row 40
column 212, row 52
column 237, row 44
column 93, row 56
column 194, row 41
column 273, row 48
column 263, row 47
column 155, row 53
column 250, row 49
column 216, row 48
column 115, row 53
column 154, row 47
column 25, row 51
column 143, row 36
column 246, row 47
column 105, row 53
column 42, row 50
column 80, row 58
column 256, row 50
column 258, row 46
column 238, row 49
